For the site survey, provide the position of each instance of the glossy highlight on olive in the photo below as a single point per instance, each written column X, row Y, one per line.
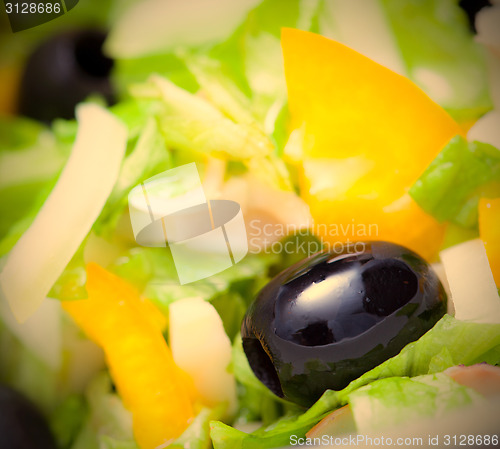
column 328, row 319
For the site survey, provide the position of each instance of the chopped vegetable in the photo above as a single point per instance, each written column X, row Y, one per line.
column 106, row 419
column 444, row 61
column 40, row 255
column 451, row 186
column 114, row 317
column 339, row 422
column 192, row 123
column 381, row 406
column 371, row 171
column 489, row 230
column 482, row 377
column 202, row 349
column 469, row 276
column 343, row 21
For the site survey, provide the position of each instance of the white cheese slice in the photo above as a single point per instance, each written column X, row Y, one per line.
column 201, row 348
column 473, row 290
column 40, row 255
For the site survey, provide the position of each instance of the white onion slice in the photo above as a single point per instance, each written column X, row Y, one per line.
column 40, row 255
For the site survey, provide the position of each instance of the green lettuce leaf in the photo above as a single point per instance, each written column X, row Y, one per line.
column 444, row 61
column 252, row 55
column 197, row 435
column 26, row 372
column 111, row 443
column 109, row 423
column 30, row 161
column 380, row 405
column 67, row 420
column 147, row 157
column 127, row 72
column 451, row 186
column 191, row 123
column 152, row 271
column 107, row 417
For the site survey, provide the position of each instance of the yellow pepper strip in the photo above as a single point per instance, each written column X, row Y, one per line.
column 138, row 357
column 489, row 231
column 369, row 133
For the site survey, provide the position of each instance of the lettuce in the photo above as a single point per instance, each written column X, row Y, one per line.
column 67, row 420
column 137, row 70
column 194, row 124
column 27, row 373
column 252, row 55
column 197, row 435
column 450, row 342
column 152, row 271
column 30, row 161
column 451, row 186
column 148, row 156
column 109, row 424
column 380, row 405
column 107, row 417
column 444, row 61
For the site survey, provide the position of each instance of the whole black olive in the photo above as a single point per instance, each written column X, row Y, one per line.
column 328, row 319
column 62, row 72
column 22, row 426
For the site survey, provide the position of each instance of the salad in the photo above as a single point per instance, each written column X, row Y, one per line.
column 252, row 224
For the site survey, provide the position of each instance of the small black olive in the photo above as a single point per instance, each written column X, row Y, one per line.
column 22, row 426
column 471, row 8
column 328, row 319
column 62, row 72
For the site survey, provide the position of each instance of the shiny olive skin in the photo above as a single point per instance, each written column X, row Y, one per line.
column 328, row 319
column 62, row 72
column 22, row 426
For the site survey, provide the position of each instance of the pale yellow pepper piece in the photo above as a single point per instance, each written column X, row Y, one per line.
column 489, row 231
column 137, row 355
column 369, row 134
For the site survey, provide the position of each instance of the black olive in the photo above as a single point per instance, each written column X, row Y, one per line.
column 328, row 319
column 62, row 72
column 22, row 426
column 471, row 8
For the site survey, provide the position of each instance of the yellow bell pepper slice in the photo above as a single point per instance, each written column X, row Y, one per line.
column 489, row 231
column 138, row 357
column 369, row 135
